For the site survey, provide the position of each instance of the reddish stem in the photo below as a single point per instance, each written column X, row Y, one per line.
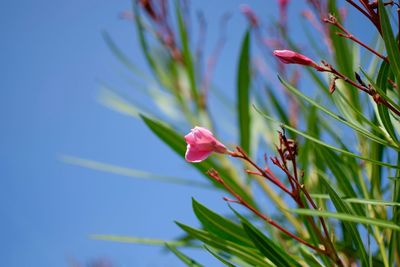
column 214, row 174
column 346, row 34
column 273, row 179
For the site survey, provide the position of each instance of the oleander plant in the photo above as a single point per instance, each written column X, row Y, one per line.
column 315, row 122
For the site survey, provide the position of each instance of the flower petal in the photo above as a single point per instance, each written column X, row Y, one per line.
column 193, row 155
column 190, row 138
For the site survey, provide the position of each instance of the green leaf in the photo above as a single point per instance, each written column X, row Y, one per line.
column 343, row 55
column 360, row 200
column 243, row 93
column 341, row 206
column 185, row 259
column 310, row 258
column 355, row 127
column 338, row 169
column 249, row 255
column 394, row 238
column 392, row 48
column 350, row 218
column 177, row 143
column 279, row 108
column 267, row 247
column 381, row 92
column 221, row 259
column 382, row 83
column 142, row 38
column 317, row 141
column 219, row 225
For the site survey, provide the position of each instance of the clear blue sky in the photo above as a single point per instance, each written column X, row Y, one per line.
column 52, row 60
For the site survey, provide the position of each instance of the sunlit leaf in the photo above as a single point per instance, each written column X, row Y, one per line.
column 130, row 172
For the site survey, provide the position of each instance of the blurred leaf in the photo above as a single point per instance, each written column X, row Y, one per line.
column 142, row 38
column 187, row 55
column 277, row 105
column 243, row 94
column 343, row 55
column 185, row 259
column 139, row 240
column 338, row 169
column 360, row 200
column 394, row 237
column 118, row 103
column 310, row 258
column 349, row 218
column 110, row 168
column 121, row 56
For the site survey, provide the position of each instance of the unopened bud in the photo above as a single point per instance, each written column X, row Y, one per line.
column 291, row 57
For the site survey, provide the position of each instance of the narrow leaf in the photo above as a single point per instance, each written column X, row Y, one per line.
column 243, row 88
column 247, row 254
column 220, row 225
column 185, row 259
column 129, row 172
column 187, row 54
column 355, row 127
column 317, row 141
column 390, row 41
column 341, row 206
column 221, row 259
column 139, row 240
column 349, row 218
column 267, row 247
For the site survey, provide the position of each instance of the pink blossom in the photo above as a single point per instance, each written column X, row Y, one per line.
column 290, row 57
column 201, row 143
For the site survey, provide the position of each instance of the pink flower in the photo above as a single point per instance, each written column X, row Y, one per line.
column 201, row 143
column 290, row 57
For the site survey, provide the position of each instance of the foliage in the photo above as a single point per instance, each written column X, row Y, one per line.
column 336, row 169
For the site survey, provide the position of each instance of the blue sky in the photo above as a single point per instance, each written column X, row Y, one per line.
column 53, row 60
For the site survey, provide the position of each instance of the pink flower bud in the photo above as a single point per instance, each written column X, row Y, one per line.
column 201, row 143
column 290, row 57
